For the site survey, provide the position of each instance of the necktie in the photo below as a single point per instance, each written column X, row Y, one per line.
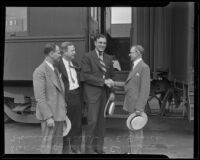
column 57, row 76
column 71, row 73
column 133, row 66
column 103, row 66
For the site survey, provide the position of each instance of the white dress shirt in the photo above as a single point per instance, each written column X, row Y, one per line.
column 101, row 57
column 72, row 85
column 136, row 62
column 50, row 65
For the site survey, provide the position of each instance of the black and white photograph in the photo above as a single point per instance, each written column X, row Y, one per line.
column 100, row 80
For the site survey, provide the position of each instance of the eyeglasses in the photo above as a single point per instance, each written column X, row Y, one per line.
column 132, row 52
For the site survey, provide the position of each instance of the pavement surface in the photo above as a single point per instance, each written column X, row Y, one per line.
column 169, row 136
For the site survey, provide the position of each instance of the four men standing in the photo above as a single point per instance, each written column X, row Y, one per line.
column 60, row 96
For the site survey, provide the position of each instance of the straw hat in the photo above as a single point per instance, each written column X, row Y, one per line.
column 109, row 108
column 136, row 121
column 66, row 126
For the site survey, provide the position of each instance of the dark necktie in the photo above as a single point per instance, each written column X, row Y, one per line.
column 103, row 66
column 57, row 76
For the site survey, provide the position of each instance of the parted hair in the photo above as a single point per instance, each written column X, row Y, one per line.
column 139, row 48
column 99, row 36
column 49, row 47
column 64, row 45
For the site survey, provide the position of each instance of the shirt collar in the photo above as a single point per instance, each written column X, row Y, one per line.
column 97, row 52
column 137, row 61
column 50, row 65
column 67, row 62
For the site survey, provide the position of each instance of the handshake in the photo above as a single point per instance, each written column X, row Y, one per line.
column 109, row 82
column 117, row 84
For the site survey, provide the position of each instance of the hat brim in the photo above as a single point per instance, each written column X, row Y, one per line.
column 111, row 108
column 136, row 122
column 66, row 126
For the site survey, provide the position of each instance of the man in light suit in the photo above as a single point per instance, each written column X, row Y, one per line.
column 73, row 96
column 51, row 106
column 96, row 72
column 137, row 88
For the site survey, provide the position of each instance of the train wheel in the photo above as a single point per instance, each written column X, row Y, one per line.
column 166, row 102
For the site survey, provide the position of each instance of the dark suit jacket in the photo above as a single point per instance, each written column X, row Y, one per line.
column 92, row 75
column 137, row 88
column 64, row 75
column 48, row 94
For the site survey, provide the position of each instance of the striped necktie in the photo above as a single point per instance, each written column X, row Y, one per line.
column 103, row 66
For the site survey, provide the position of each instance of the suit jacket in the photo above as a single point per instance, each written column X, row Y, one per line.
column 92, row 75
column 64, row 75
column 137, row 88
column 48, row 94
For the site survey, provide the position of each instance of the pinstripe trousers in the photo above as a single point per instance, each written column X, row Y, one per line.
column 136, row 141
column 52, row 138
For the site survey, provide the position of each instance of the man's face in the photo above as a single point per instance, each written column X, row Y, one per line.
column 55, row 55
column 133, row 54
column 100, row 44
column 70, row 53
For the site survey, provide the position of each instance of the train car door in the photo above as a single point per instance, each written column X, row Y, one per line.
column 94, row 20
column 117, row 25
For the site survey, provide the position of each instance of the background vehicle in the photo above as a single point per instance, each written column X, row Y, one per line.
column 32, row 27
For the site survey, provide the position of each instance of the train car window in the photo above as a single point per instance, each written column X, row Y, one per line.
column 16, row 21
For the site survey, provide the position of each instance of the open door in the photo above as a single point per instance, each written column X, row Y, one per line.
column 117, row 29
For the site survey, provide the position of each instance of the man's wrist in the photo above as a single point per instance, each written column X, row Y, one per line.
column 49, row 118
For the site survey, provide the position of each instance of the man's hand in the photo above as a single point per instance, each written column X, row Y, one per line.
column 109, row 83
column 50, row 122
column 138, row 113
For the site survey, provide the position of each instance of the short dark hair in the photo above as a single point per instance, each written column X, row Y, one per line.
column 49, row 47
column 99, row 36
column 65, row 45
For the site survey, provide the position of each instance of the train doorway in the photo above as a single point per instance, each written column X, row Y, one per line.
column 116, row 25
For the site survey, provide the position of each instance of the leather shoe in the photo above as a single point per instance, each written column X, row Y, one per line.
column 99, row 152
column 90, row 151
column 74, row 151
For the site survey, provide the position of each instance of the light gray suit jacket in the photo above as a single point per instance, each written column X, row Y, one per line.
column 49, row 94
column 137, row 88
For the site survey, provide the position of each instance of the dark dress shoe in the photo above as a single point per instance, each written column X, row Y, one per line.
column 74, row 151
column 90, row 151
column 100, row 152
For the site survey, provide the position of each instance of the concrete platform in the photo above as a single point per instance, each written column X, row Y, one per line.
column 168, row 136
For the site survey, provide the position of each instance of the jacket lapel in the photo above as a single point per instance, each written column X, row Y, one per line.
column 133, row 71
column 96, row 59
column 52, row 76
column 63, row 69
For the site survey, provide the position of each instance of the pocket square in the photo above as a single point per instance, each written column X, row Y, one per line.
column 137, row 74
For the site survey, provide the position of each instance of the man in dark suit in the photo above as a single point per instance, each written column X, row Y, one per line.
column 70, row 76
column 49, row 95
column 137, row 88
column 97, row 72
